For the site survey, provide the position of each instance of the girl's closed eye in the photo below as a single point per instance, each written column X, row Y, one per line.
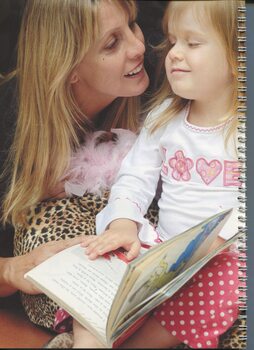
column 194, row 43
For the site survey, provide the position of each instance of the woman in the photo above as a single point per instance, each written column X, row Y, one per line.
column 79, row 69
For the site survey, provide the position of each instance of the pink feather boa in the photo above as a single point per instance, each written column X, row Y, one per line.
column 94, row 166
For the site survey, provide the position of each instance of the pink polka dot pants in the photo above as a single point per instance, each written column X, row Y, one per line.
column 207, row 306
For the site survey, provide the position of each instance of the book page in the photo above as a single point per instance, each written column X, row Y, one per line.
column 168, row 290
column 83, row 287
column 163, row 263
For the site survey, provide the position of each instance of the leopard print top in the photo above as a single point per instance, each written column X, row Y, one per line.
column 54, row 220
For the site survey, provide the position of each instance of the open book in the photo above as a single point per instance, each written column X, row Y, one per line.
column 111, row 296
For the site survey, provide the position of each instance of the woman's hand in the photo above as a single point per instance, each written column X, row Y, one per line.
column 12, row 269
column 121, row 233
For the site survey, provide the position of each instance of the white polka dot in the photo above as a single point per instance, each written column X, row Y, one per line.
column 201, row 302
column 210, row 284
column 211, row 302
column 186, row 341
column 210, row 274
column 228, row 264
column 192, row 321
column 221, row 283
column 231, row 319
column 181, row 312
column 171, row 313
column 214, row 324
column 174, row 333
column 191, row 303
column 204, row 326
column 212, row 312
column 206, row 334
column 212, row 317
column 230, row 311
column 191, row 312
column 180, row 303
column 181, row 294
column 163, row 323
column 229, row 302
column 222, row 292
column 172, row 323
column 202, row 312
column 200, row 275
column 200, row 284
column 196, row 336
column 190, row 294
column 201, row 294
column 231, row 282
column 182, row 322
column 211, row 292
column 230, row 272
column 237, row 291
column 171, row 303
column 220, row 273
column 224, row 323
column 199, row 345
column 216, row 332
column 222, row 314
column 208, row 342
column 193, row 331
column 162, row 313
column 202, row 321
column 183, row 332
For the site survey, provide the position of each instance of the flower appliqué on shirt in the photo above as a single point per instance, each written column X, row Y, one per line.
column 181, row 166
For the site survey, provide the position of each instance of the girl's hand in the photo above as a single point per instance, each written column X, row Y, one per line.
column 12, row 269
column 121, row 233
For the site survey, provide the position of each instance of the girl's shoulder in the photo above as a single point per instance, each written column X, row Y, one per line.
column 155, row 112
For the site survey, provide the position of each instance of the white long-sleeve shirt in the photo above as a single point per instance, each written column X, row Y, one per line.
column 199, row 177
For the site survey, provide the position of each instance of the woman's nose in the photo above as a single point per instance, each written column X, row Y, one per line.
column 136, row 45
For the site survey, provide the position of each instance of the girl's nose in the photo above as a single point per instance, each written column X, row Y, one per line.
column 136, row 46
column 175, row 53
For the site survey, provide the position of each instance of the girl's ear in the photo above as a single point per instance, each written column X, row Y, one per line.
column 74, row 78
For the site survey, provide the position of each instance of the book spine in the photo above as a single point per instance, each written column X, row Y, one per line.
column 241, row 109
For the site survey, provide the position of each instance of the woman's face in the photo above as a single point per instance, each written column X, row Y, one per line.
column 113, row 66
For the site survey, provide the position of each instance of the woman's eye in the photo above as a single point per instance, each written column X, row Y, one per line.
column 112, row 44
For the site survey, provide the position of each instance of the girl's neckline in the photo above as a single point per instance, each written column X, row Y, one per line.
column 205, row 129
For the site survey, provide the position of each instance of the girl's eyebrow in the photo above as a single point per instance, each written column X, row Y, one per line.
column 188, row 32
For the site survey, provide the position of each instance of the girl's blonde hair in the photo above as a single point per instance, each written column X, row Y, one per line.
column 222, row 15
column 54, row 37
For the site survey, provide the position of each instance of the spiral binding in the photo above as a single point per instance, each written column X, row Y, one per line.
column 241, row 110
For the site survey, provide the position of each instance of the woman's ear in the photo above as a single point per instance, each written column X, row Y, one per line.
column 74, row 78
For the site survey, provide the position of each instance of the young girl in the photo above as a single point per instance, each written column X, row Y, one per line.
column 189, row 139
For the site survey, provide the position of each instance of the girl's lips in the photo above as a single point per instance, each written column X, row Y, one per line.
column 178, row 70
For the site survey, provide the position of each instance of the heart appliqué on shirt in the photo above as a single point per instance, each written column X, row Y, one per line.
column 208, row 171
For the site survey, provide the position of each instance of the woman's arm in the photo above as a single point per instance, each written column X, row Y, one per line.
column 12, row 269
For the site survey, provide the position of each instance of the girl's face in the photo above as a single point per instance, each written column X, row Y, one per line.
column 113, row 66
column 196, row 64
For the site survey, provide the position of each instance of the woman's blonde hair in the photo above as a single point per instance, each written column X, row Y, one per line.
column 222, row 15
column 54, row 37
